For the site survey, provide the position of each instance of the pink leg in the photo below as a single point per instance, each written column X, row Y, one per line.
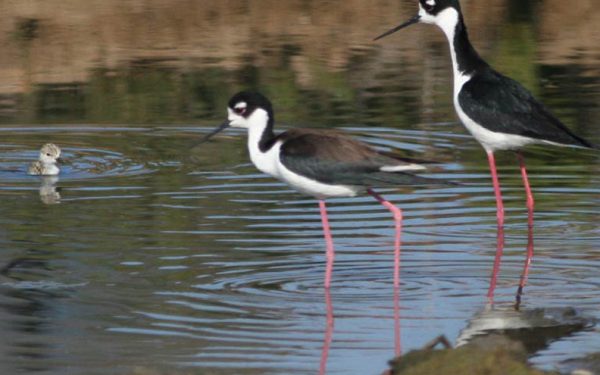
column 497, row 261
column 329, row 242
column 530, row 201
column 526, row 267
column 398, row 220
column 328, row 334
column 499, row 204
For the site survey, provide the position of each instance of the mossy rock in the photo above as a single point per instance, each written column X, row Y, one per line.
column 490, row 355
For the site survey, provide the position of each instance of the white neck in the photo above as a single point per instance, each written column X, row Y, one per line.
column 264, row 161
column 447, row 21
column 257, row 123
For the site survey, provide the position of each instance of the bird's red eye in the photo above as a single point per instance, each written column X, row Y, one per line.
column 239, row 110
column 428, row 5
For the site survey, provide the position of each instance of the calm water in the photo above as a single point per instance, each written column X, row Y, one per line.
column 153, row 254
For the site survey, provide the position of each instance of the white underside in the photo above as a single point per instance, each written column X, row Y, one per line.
column 491, row 141
column 43, row 169
column 314, row 188
column 269, row 162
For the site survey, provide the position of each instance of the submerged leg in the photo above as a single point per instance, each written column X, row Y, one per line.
column 398, row 221
column 499, row 204
column 328, row 333
column 330, row 254
column 530, row 201
column 397, row 344
column 526, row 266
column 497, row 262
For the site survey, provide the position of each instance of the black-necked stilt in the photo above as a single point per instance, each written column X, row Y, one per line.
column 499, row 112
column 318, row 162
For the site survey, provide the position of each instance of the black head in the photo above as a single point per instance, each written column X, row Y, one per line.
column 246, row 109
column 431, row 11
column 434, row 7
column 244, row 104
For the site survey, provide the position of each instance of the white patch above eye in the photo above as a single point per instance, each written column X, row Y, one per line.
column 241, row 105
column 430, row 3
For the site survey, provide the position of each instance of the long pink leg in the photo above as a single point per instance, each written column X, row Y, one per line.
column 528, row 260
column 329, row 242
column 328, row 333
column 530, row 201
column 398, row 221
column 497, row 262
column 499, row 204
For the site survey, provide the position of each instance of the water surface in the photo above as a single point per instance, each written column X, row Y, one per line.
column 155, row 254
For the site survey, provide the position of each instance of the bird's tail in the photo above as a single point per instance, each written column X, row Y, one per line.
column 383, row 179
column 587, row 144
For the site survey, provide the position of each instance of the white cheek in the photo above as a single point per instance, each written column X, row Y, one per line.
column 425, row 17
column 238, row 122
column 231, row 115
column 235, row 120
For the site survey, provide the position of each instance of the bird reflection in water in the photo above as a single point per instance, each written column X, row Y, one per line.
column 498, row 260
column 527, row 266
column 328, row 332
column 330, row 322
column 330, row 318
column 49, row 193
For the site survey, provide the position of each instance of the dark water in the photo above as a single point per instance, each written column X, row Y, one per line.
column 157, row 255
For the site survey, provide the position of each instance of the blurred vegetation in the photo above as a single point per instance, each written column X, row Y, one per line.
column 150, row 93
column 328, row 72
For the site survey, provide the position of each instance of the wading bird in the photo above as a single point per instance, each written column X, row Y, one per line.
column 499, row 112
column 319, row 162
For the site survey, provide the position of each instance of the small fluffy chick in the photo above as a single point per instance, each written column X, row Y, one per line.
column 46, row 164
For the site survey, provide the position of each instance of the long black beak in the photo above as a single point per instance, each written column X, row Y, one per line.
column 219, row 129
column 60, row 161
column 413, row 20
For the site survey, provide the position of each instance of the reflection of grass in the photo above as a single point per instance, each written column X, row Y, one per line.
column 141, row 94
column 515, row 55
column 157, row 91
column 151, row 93
column 59, row 102
column 144, row 94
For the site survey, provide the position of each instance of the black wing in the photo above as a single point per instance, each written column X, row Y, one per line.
column 333, row 158
column 503, row 105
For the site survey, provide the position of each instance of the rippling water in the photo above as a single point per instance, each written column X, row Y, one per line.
column 148, row 253
column 160, row 258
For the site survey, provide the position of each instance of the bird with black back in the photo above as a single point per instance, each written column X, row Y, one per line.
column 498, row 111
column 322, row 163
